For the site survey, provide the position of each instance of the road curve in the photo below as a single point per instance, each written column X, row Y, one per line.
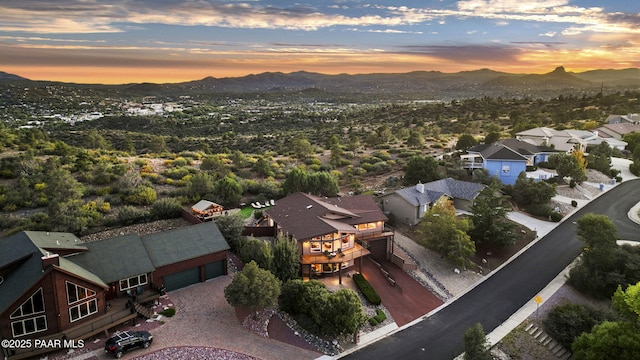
column 494, row 300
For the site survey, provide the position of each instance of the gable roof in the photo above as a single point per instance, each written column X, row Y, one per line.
column 203, row 205
column 543, row 132
column 20, row 265
column 55, row 241
column 453, row 188
column 617, row 130
column 304, row 216
column 525, row 148
column 115, row 258
column 170, row 247
column 497, row 151
column 99, row 262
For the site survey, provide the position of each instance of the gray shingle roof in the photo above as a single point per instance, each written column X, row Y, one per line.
column 18, row 250
column 100, row 262
column 185, row 243
column 497, row 151
column 434, row 190
column 115, row 258
column 20, row 253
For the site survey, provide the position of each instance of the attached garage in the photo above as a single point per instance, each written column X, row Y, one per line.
column 215, row 269
column 188, row 255
column 182, row 279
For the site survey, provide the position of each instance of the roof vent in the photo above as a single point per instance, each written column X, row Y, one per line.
column 309, row 206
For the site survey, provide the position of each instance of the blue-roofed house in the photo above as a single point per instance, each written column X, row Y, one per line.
column 409, row 204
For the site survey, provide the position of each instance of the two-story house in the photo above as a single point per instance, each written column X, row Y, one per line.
column 506, row 159
column 333, row 234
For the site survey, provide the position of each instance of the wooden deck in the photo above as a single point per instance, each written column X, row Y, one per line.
column 117, row 314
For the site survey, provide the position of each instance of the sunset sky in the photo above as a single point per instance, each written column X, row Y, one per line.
column 95, row 41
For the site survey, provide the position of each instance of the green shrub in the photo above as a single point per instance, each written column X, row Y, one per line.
column 367, row 290
column 566, row 322
column 380, row 317
column 168, row 312
column 555, row 216
column 166, row 208
column 574, row 203
column 539, row 210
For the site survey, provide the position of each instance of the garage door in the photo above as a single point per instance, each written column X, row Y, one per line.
column 182, row 279
column 215, row 269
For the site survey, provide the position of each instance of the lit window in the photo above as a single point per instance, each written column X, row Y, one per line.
column 315, row 246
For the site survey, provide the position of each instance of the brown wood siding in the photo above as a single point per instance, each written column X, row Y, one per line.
column 49, row 306
column 54, row 291
column 60, row 278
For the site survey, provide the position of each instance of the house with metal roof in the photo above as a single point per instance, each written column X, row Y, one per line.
column 409, row 204
column 333, row 234
column 54, row 286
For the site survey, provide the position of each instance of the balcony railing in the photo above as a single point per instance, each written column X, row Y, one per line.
column 336, row 257
column 472, row 164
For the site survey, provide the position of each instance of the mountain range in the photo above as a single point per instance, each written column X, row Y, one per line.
column 411, row 85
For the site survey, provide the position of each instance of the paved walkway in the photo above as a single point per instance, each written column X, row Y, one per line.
column 406, row 301
column 205, row 320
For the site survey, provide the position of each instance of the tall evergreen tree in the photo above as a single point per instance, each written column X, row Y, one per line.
column 475, row 344
column 286, row 258
column 440, row 230
column 489, row 223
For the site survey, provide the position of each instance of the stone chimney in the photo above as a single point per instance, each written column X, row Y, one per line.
column 420, row 188
column 50, row 259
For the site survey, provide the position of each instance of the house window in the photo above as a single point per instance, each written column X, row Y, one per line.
column 505, row 169
column 132, row 282
column 33, row 305
column 77, row 293
column 367, row 226
column 29, row 326
column 315, row 246
column 346, row 241
column 83, row 310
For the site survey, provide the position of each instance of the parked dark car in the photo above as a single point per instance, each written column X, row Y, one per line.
column 128, row 340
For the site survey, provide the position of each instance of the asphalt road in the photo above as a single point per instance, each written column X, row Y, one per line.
column 507, row 290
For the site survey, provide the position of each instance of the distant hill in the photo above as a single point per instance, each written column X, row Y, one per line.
column 557, row 79
column 623, row 77
column 411, row 85
column 7, row 76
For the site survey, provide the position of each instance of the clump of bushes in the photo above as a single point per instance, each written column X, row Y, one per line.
column 168, row 312
column 380, row 317
column 566, row 322
column 574, row 203
column 367, row 290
